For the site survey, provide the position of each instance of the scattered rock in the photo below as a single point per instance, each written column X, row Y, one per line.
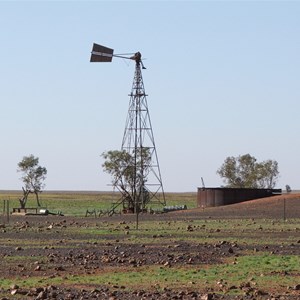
column 41, row 295
column 207, row 297
column 14, row 292
column 189, row 228
column 167, row 264
column 14, row 287
column 37, row 268
column 296, row 287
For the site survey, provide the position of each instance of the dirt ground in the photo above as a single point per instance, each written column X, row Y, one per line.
column 65, row 256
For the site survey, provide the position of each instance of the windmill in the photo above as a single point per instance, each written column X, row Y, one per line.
column 141, row 183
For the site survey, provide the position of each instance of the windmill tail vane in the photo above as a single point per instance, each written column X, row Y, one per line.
column 104, row 54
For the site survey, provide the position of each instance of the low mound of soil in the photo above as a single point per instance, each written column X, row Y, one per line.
column 281, row 206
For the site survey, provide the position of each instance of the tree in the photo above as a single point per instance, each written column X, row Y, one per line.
column 33, row 178
column 245, row 172
column 267, row 174
column 129, row 172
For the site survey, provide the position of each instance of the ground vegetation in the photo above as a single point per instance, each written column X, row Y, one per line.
column 242, row 251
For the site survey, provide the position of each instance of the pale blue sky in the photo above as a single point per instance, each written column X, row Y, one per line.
column 222, row 80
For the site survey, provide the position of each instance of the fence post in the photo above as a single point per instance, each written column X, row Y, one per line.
column 7, row 206
column 4, row 210
column 284, row 210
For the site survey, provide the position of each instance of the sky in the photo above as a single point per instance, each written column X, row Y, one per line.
column 222, row 79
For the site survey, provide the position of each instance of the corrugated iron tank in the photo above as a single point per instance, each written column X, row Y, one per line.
column 210, row 197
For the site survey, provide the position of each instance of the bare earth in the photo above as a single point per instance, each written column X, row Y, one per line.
column 65, row 255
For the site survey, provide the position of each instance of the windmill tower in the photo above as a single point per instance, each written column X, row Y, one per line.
column 141, row 183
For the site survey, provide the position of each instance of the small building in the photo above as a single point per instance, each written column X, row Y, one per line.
column 210, row 197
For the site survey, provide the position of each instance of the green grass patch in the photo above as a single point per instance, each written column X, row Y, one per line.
column 243, row 232
column 260, row 270
column 76, row 204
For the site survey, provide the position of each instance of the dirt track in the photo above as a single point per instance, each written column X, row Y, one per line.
column 57, row 253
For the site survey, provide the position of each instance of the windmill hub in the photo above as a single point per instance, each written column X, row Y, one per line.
column 137, row 57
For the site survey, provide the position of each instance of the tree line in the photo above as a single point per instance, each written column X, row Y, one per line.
column 243, row 171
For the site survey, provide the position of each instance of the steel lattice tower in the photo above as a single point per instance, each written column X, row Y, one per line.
column 138, row 141
column 140, row 183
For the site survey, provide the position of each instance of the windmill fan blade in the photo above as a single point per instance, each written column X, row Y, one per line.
column 101, row 54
